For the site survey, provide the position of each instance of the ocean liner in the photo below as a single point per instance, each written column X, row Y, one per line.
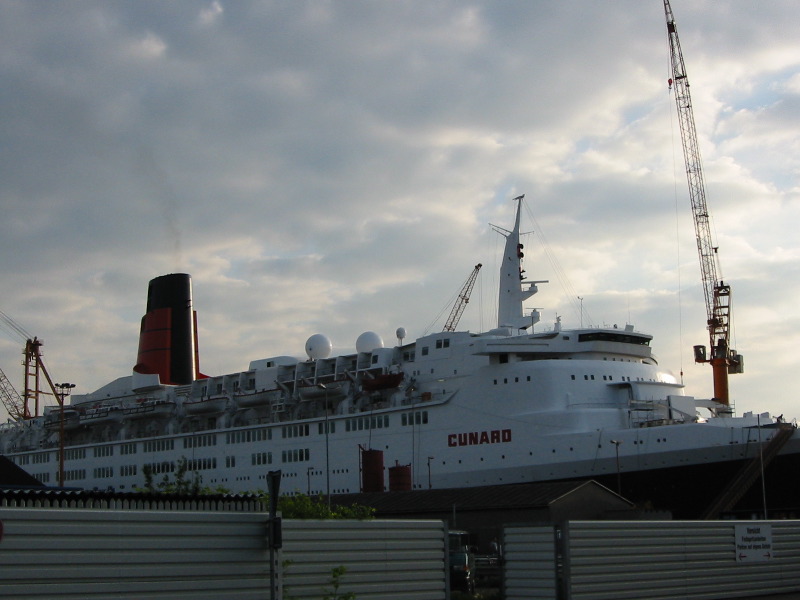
column 450, row 409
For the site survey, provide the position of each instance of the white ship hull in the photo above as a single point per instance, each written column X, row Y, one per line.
column 452, row 409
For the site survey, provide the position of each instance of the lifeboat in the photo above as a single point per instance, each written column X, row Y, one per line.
column 101, row 414
column 149, row 408
column 215, row 404
column 386, row 381
column 256, row 398
column 53, row 419
column 335, row 390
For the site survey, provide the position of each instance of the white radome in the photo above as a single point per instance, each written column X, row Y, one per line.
column 319, row 346
column 368, row 341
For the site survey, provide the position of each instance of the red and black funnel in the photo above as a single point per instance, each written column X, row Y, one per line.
column 168, row 336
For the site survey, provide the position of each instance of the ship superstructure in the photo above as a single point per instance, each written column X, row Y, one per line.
column 450, row 409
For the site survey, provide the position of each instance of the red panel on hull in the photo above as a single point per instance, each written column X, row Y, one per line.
column 400, row 478
column 372, row 471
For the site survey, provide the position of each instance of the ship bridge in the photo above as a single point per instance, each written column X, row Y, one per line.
column 573, row 344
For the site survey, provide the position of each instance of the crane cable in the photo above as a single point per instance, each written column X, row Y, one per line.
column 12, row 328
column 561, row 275
column 678, row 212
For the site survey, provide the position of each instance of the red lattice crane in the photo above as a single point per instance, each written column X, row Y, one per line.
column 723, row 359
column 462, row 301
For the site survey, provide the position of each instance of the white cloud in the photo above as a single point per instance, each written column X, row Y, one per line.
column 210, row 14
column 148, row 47
column 333, row 166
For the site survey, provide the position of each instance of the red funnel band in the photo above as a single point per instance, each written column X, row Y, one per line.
column 155, row 344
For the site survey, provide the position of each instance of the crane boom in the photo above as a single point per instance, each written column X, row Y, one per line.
column 17, row 409
column 717, row 294
column 462, row 301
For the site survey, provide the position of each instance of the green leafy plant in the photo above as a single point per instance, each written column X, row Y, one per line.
column 182, row 482
column 301, row 506
column 336, row 581
column 330, row 594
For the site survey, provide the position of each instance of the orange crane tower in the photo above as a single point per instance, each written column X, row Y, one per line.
column 19, row 408
column 722, row 358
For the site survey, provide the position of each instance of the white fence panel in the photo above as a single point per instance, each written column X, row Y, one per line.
column 103, row 553
column 676, row 559
column 132, row 555
column 530, row 563
column 649, row 560
column 383, row 560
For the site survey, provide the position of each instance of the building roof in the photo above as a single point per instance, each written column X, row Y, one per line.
column 13, row 476
column 494, row 497
column 54, row 497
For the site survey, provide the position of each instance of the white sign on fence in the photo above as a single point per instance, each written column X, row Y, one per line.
column 753, row 542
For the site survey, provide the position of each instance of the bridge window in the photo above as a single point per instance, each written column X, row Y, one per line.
column 607, row 336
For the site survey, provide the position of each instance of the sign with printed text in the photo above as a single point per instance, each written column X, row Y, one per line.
column 753, row 542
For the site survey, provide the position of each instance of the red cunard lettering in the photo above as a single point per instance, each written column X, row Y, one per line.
column 475, row 438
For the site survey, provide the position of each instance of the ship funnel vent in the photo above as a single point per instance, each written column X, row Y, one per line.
column 168, row 334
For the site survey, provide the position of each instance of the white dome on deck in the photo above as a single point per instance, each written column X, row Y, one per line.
column 368, row 341
column 318, row 346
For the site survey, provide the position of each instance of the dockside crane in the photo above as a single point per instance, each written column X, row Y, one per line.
column 30, row 404
column 723, row 359
column 34, row 372
column 462, row 301
column 19, row 408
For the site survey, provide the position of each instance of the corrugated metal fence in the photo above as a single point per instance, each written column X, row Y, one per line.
column 204, row 555
column 153, row 555
column 617, row 560
column 530, row 562
column 384, row 560
column 76, row 544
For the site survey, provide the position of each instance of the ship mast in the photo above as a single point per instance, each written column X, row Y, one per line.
column 514, row 290
column 723, row 359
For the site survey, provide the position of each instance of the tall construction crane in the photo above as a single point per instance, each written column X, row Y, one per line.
column 34, row 371
column 723, row 359
column 19, row 408
column 462, row 301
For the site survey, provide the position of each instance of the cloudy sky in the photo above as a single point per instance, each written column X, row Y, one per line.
column 334, row 166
